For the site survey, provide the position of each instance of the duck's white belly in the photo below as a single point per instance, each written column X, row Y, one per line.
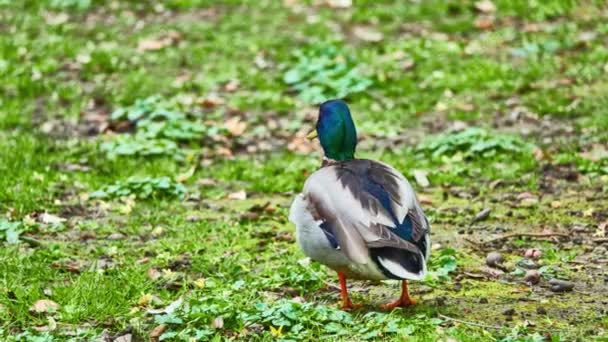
column 315, row 245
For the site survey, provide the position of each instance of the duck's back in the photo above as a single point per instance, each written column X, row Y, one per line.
column 369, row 211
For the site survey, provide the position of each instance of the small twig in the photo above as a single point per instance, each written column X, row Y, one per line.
column 471, row 323
column 600, row 240
column 534, row 235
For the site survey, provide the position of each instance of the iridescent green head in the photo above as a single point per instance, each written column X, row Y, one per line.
column 336, row 130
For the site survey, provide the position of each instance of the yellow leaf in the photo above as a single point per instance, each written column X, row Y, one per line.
column 199, row 283
column 276, row 332
column 185, row 176
column 145, row 299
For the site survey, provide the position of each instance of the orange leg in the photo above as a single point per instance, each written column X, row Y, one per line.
column 403, row 301
column 346, row 303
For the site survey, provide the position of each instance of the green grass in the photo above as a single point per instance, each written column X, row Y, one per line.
column 164, row 225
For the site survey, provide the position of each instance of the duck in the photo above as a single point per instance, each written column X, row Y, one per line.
column 359, row 217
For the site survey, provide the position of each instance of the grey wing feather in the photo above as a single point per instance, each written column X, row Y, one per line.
column 359, row 220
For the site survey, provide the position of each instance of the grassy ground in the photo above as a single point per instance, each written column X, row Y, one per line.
column 149, row 153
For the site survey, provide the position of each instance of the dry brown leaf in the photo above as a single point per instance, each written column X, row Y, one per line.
column 206, row 182
column 44, row 306
column 485, row 6
column 300, row 144
column 484, row 22
column 235, row 126
column 525, row 195
column 156, row 332
column 425, row 199
column 160, row 42
column 232, row 86
column 239, row 195
column 602, row 230
column 367, row 34
column 153, row 273
column 223, row 151
column 596, row 153
column 211, row 101
column 539, row 154
column 339, row 3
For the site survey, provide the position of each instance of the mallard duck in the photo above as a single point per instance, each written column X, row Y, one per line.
column 359, row 217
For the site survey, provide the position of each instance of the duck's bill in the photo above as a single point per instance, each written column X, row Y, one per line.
column 312, row 135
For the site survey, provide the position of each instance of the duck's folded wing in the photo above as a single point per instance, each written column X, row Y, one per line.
column 364, row 203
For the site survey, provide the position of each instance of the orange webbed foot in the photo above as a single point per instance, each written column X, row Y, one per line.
column 399, row 303
column 349, row 306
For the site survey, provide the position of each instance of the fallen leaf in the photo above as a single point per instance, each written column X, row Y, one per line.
column 44, row 306
column 157, row 231
column 421, row 178
column 169, row 309
column 115, row 236
column 529, row 202
column 260, row 61
column 521, row 290
column 239, row 195
column 588, row 212
column 55, row 19
column 485, row 6
column 185, row 176
column 123, row 338
column 73, row 167
column 235, row 126
column 232, row 86
column 425, row 199
column 69, row 265
column 367, row 34
column 339, row 3
column 144, row 300
column 602, row 230
column 556, row 204
column 224, row 151
column 300, row 145
column 218, row 322
column 160, row 42
column 153, row 273
column 212, row 101
column 156, row 332
column 199, row 283
column 597, row 153
column 496, row 183
column 206, row 182
column 47, row 218
column 525, row 195
column 484, row 22
column 276, row 332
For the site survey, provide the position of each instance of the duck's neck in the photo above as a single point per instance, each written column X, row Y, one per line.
column 328, row 161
